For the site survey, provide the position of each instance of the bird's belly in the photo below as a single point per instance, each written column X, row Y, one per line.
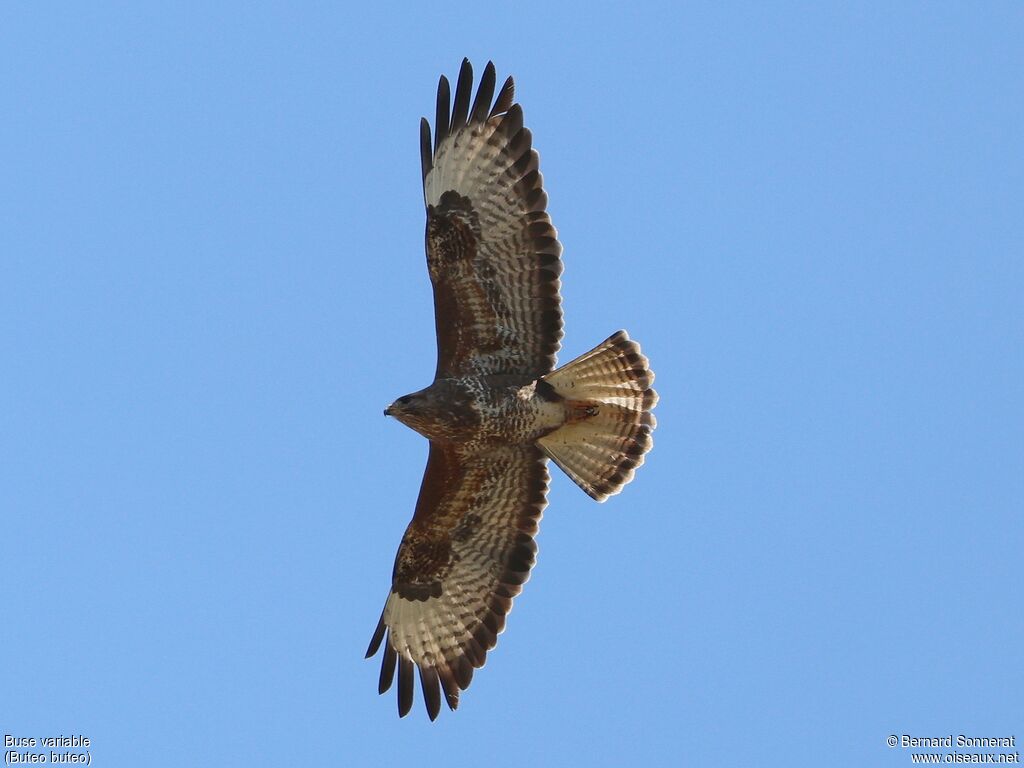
column 514, row 414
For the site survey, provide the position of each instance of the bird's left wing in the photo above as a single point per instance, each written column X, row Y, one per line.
column 464, row 557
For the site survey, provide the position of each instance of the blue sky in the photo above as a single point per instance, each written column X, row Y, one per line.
column 212, row 281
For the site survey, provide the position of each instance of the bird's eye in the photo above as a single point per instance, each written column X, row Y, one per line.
column 405, row 399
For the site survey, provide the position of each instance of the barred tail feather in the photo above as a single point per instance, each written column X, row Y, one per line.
column 609, row 401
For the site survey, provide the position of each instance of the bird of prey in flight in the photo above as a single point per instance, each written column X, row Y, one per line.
column 498, row 408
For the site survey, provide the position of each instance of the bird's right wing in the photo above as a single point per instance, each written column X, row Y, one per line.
column 492, row 252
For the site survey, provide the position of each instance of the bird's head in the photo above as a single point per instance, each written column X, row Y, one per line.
column 413, row 410
column 442, row 411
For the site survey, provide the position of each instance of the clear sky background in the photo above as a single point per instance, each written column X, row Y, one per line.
column 212, row 281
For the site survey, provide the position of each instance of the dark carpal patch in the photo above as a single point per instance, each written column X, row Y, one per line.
column 453, row 232
column 421, row 565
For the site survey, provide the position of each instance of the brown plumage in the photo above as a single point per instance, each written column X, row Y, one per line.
column 497, row 409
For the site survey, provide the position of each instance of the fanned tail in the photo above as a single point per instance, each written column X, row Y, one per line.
column 609, row 398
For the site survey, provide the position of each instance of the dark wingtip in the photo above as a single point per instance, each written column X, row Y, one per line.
column 405, row 687
column 484, row 95
column 450, row 687
column 442, row 112
column 463, row 90
column 506, row 98
column 426, row 154
column 450, row 116
column 378, row 636
column 431, row 691
column 387, row 669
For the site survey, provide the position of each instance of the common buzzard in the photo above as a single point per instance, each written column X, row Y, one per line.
column 498, row 408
